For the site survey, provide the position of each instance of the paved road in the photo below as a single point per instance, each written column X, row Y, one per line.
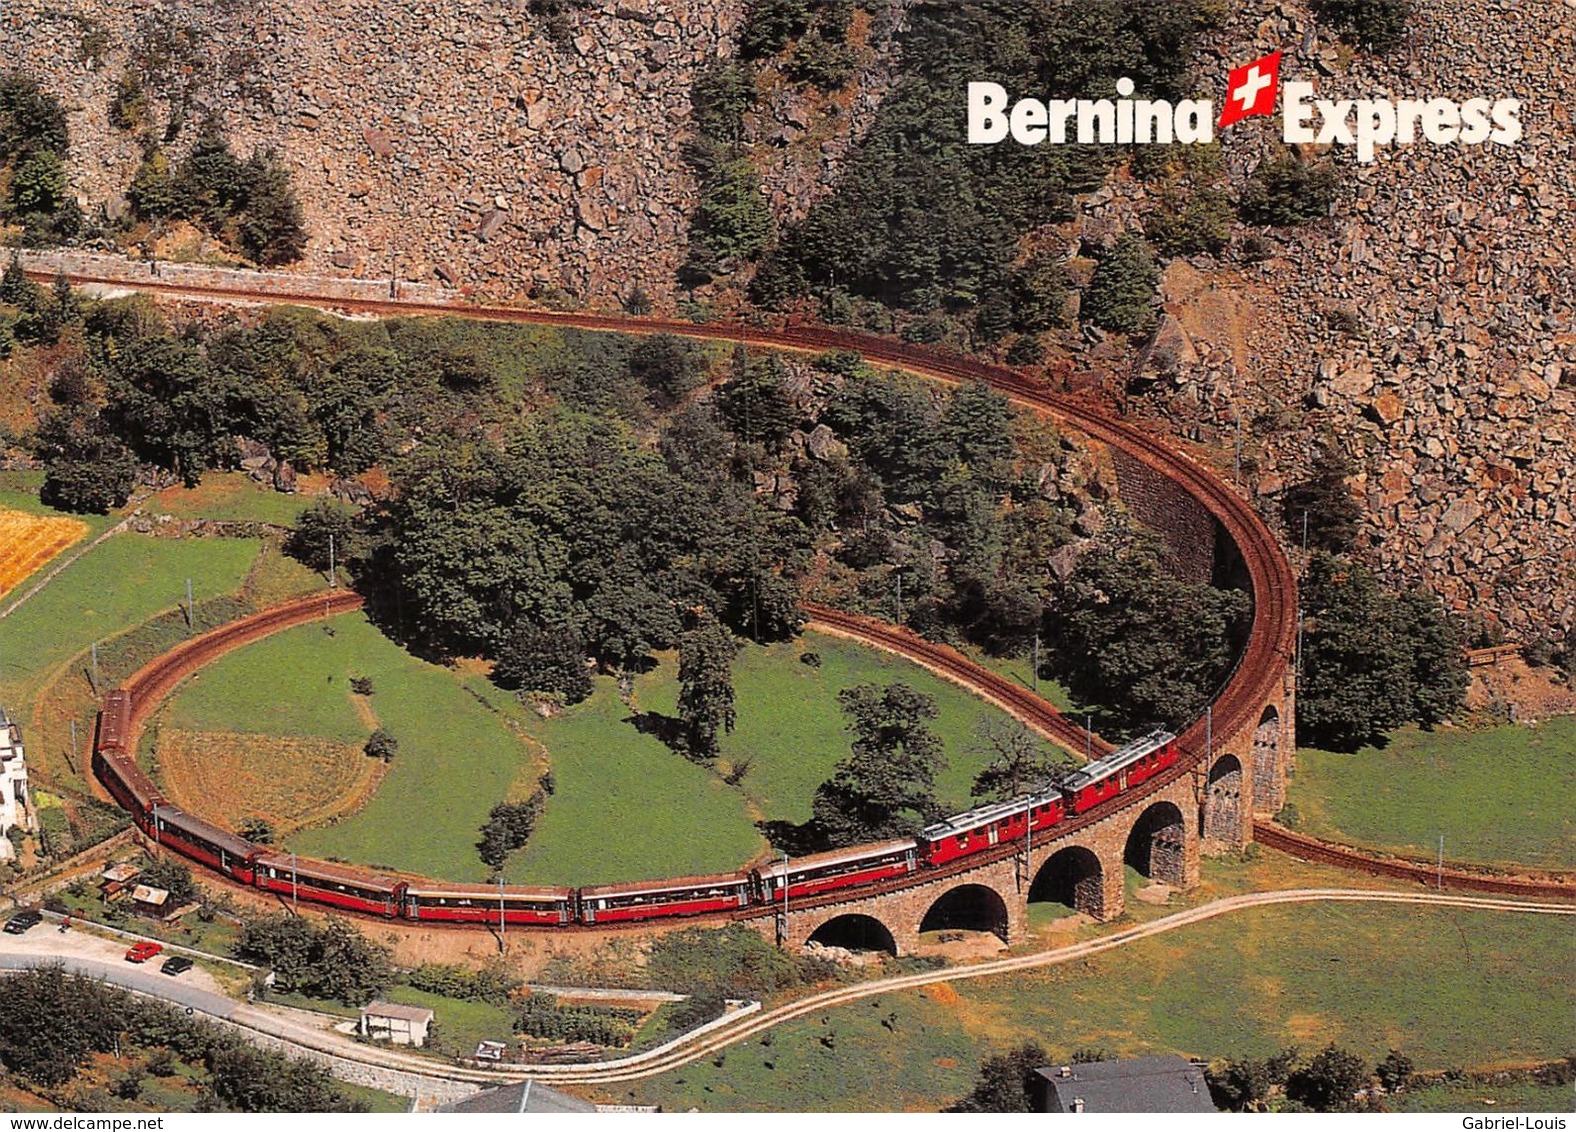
column 144, row 980
column 297, row 1032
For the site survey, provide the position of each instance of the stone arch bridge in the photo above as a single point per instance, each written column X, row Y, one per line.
column 1161, row 829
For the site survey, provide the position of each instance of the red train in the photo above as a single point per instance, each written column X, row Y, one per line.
column 371, row 893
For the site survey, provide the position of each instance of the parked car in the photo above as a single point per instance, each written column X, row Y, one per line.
column 19, row 923
column 176, row 965
column 142, row 952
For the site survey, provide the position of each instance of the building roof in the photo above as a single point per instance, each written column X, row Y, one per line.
column 147, row 894
column 122, row 872
column 672, row 884
column 398, row 1010
column 1141, row 1084
column 527, row 1096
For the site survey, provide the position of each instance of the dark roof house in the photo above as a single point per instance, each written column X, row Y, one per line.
column 1140, row 1084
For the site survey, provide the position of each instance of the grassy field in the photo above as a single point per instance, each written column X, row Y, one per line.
column 1495, row 794
column 628, row 808
column 458, row 1025
column 120, row 583
column 791, row 727
column 232, row 496
column 1449, row 988
column 1522, row 1097
column 455, row 760
column 458, row 756
column 110, row 590
column 1020, row 669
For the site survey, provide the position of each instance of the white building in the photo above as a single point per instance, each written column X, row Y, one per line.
column 395, row 1022
column 16, row 807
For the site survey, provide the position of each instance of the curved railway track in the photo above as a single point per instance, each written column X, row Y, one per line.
column 1400, row 868
column 1026, row 706
column 151, row 683
column 1256, row 678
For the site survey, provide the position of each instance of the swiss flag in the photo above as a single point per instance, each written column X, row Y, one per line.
column 1252, row 89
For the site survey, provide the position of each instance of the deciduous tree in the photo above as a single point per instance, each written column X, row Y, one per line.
column 886, row 786
column 1125, row 633
column 706, row 707
column 1006, row 1081
column 1019, row 760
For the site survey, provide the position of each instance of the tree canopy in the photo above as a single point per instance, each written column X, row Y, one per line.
column 1372, row 660
column 334, row 961
column 922, row 221
column 706, row 654
column 886, row 786
column 1125, row 633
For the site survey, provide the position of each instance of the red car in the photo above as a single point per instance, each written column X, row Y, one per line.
column 142, row 952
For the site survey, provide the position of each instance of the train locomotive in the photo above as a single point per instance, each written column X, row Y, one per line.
column 371, row 893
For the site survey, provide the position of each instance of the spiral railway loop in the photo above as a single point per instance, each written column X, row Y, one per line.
column 1259, row 673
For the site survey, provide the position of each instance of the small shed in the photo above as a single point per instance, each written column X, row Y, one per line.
column 150, row 901
column 395, row 1022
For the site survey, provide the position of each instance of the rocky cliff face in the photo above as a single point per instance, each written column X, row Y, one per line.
column 1430, row 325
column 425, row 138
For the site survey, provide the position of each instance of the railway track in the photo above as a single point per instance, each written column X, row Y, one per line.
column 151, row 683
column 1032, row 710
column 1346, row 857
column 1256, row 678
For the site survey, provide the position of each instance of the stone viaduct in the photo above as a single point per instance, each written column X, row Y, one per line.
column 1160, row 832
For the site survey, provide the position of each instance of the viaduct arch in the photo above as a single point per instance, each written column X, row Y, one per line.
column 1084, row 868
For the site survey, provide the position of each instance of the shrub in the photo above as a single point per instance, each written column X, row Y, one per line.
column 542, row 1017
column 1196, row 222
column 551, row 660
column 257, row 830
column 699, row 1008
column 509, row 826
column 1124, row 292
column 128, row 106
column 492, row 984
column 1285, row 191
column 1377, row 25
column 30, row 120
column 381, row 744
